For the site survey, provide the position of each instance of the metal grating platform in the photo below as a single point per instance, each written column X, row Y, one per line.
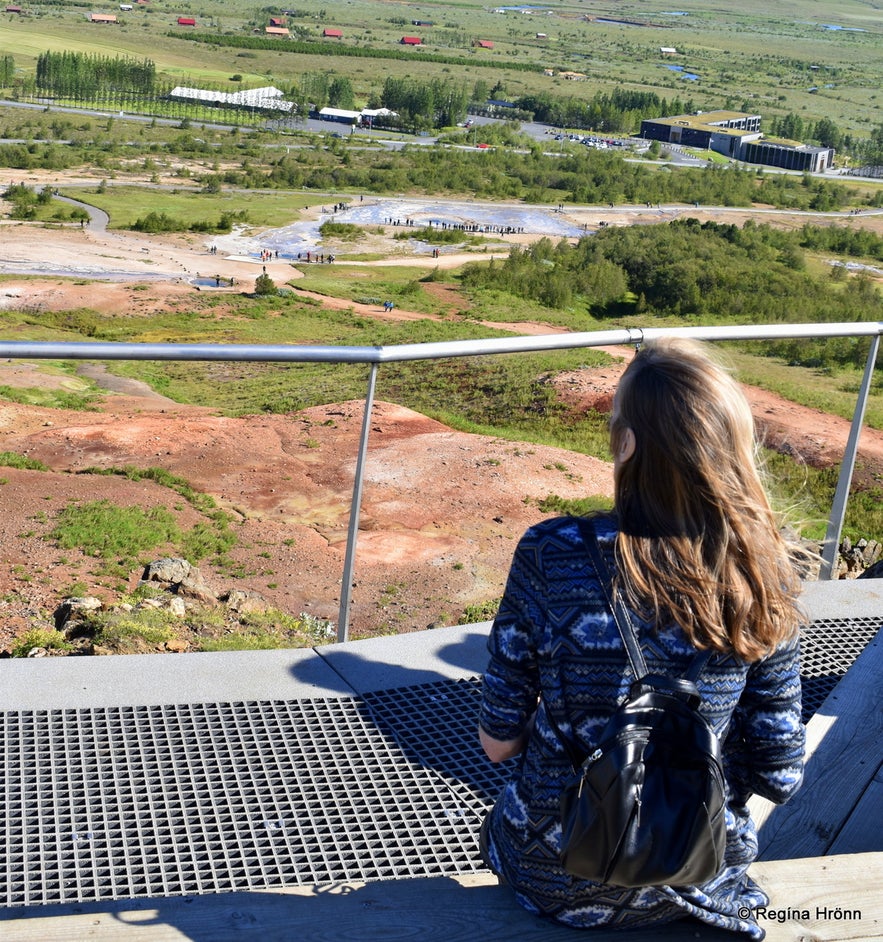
column 159, row 801
column 828, row 648
column 133, row 802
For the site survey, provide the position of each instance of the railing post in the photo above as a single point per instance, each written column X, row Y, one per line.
column 841, row 495
column 346, row 582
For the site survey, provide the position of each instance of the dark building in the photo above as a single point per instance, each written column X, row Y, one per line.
column 738, row 136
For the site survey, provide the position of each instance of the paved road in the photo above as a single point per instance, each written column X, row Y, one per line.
column 98, row 218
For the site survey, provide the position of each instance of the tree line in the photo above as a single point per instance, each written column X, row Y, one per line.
column 826, row 133
column 584, row 177
column 617, row 112
column 437, row 103
column 709, row 272
column 79, row 75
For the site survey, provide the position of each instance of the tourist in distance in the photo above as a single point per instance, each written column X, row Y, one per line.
column 700, row 561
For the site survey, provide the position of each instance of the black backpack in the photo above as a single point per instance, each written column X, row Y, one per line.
column 646, row 807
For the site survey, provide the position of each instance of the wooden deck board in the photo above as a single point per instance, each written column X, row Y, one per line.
column 822, row 887
column 862, row 831
column 810, row 898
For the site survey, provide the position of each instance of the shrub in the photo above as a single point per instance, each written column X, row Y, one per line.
column 39, row 638
column 344, row 231
column 122, row 630
column 158, row 222
column 12, row 460
column 215, row 540
column 484, row 611
column 575, row 507
column 264, row 286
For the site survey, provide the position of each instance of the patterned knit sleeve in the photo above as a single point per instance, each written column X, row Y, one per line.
column 772, row 732
column 510, row 685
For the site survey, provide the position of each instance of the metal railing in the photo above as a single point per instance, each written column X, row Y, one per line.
column 375, row 356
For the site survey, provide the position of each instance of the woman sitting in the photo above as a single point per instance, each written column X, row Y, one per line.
column 698, row 557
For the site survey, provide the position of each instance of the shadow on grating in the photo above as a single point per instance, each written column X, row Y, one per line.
column 112, row 803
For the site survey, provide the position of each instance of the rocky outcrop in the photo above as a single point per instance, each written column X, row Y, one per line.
column 861, row 561
column 170, row 585
column 179, row 577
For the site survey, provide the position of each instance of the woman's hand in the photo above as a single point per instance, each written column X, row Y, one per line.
column 498, row 750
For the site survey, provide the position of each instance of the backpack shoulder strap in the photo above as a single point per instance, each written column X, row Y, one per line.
column 573, row 754
column 624, row 623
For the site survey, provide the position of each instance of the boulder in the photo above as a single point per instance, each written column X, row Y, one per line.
column 170, row 570
column 197, row 590
column 75, row 610
column 176, row 606
column 178, row 576
column 243, row 602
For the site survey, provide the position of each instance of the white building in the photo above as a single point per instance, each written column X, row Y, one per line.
column 266, row 98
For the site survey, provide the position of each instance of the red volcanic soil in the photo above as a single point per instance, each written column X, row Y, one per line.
column 441, row 510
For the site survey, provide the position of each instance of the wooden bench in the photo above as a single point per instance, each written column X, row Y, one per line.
column 839, row 809
column 818, row 899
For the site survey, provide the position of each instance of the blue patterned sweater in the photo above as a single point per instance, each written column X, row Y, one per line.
column 554, row 640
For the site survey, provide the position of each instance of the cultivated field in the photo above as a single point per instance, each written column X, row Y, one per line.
column 814, row 58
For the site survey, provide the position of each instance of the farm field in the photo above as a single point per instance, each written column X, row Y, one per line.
column 817, row 59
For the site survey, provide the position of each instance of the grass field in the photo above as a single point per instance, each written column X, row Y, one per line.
column 129, row 203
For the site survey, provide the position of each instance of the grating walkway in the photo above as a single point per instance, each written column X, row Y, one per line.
column 145, row 801
column 158, row 801
column 828, row 648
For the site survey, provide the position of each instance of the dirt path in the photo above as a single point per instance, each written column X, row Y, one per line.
column 526, row 328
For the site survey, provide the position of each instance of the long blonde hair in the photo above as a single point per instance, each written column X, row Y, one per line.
column 698, row 541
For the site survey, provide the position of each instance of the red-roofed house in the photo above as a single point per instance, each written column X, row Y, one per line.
column 412, row 41
column 13, row 9
column 186, row 21
column 277, row 21
column 332, row 33
column 484, row 44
